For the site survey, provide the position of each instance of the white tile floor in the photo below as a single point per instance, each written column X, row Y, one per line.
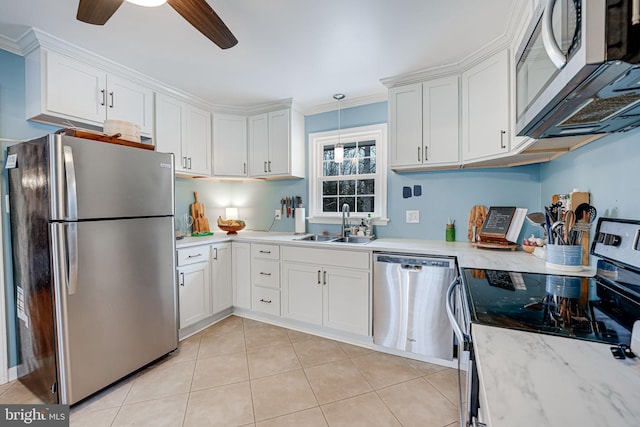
column 240, row 372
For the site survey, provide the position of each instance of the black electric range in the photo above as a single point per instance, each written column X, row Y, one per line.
column 602, row 308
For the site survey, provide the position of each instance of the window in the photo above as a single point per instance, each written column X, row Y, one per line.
column 359, row 180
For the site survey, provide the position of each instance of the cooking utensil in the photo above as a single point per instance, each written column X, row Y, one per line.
column 585, row 212
column 569, row 222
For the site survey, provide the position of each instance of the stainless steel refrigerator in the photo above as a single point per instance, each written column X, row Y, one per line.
column 92, row 231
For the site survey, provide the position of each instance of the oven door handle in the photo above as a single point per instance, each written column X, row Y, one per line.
column 548, row 40
column 462, row 337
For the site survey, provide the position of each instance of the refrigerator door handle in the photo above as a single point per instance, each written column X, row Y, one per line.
column 72, row 257
column 70, row 176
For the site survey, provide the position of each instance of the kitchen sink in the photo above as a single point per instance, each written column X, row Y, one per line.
column 318, row 238
column 362, row 240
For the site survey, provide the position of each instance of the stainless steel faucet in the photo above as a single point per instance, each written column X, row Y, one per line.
column 345, row 214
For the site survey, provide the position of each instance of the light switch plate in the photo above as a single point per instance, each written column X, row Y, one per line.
column 412, row 217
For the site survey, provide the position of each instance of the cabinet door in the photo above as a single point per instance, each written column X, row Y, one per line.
column 170, row 130
column 346, row 295
column 405, row 125
column 195, row 297
column 75, row 89
column 440, row 121
column 485, row 108
column 302, row 292
column 221, row 277
column 131, row 102
column 198, row 140
column 229, row 145
column 241, row 262
column 279, row 143
column 258, row 144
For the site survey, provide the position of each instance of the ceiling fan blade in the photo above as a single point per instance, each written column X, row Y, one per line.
column 97, row 12
column 199, row 14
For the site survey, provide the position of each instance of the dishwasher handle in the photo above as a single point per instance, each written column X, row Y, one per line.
column 463, row 338
column 411, row 267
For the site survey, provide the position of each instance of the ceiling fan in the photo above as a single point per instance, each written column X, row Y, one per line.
column 197, row 12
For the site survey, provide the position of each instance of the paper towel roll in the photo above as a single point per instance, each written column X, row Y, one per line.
column 300, row 221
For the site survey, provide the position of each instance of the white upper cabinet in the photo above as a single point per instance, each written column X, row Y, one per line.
column 405, row 125
column 229, row 145
column 485, row 108
column 59, row 89
column 276, row 144
column 185, row 131
column 424, row 124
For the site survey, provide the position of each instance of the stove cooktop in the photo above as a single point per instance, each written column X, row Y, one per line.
column 574, row 307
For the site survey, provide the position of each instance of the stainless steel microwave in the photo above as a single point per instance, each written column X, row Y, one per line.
column 577, row 70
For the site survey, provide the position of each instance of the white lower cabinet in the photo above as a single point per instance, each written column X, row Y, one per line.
column 241, row 261
column 333, row 296
column 194, row 278
column 265, row 278
column 221, row 277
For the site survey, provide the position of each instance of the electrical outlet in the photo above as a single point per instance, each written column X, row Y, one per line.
column 412, row 217
column 278, row 214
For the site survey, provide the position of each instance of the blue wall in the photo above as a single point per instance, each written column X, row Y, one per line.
column 607, row 168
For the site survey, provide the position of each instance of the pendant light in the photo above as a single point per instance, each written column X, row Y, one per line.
column 338, row 150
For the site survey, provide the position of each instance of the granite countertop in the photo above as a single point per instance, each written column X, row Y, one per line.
column 531, row 379
column 468, row 256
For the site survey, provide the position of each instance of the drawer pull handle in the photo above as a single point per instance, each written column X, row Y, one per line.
column 194, row 256
column 265, row 274
column 324, row 277
column 265, row 252
column 268, row 301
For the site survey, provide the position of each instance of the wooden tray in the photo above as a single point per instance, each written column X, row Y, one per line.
column 95, row 136
column 488, row 245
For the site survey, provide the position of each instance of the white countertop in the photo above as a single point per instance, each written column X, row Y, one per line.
column 532, row 379
column 468, row 256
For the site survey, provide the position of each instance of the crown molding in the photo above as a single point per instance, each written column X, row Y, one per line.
column 10, row 45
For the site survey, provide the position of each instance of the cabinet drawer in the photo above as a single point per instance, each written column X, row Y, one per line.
column 266, row 300
column 193, row 255
column 265, row 273
column 265, row 251
column 333, row 257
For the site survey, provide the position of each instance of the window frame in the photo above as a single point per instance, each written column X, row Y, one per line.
column 317, row 142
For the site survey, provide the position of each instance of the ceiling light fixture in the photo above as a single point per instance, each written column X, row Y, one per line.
column 338, row 150
column 148, row 3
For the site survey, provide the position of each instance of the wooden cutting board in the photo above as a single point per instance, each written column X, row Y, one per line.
column 200, row 221
column 476, row 218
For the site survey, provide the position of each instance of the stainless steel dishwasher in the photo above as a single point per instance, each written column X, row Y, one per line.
column 409, row 303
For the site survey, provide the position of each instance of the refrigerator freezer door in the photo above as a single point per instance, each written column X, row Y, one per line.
column 123, row 313
column 111, row 181
column 28, row 192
